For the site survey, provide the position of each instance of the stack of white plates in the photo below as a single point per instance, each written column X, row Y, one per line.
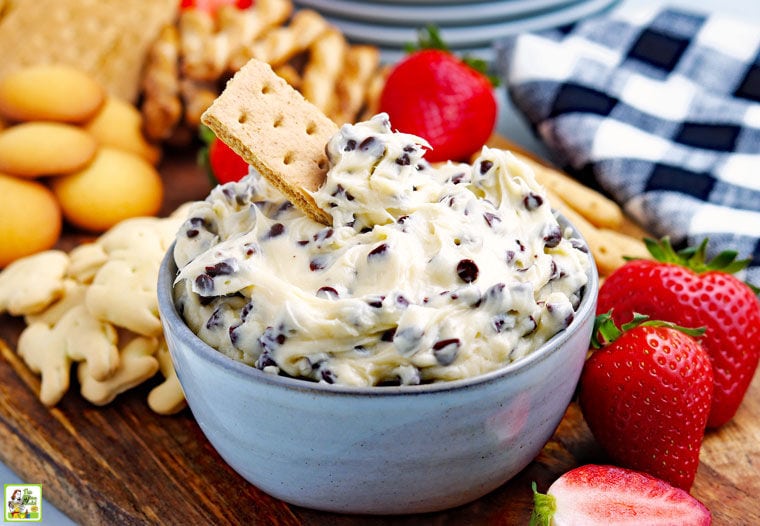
column 467, row 26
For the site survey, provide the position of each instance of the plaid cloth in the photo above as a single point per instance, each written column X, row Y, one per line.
column 659, row 109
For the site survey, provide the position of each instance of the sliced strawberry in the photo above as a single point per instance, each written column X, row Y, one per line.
column 602, row 495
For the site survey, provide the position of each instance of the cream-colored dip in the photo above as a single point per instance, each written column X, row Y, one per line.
column 426, row 274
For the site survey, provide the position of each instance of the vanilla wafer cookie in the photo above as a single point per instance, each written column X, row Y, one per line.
column 278, row 132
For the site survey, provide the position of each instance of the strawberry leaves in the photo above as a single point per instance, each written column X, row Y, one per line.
column 606, row 331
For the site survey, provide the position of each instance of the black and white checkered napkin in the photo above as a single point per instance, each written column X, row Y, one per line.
column 660, row 109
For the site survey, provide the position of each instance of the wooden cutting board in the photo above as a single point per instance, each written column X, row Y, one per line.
column 123, row 464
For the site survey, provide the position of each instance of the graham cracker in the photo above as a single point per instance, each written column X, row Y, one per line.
column 275, row 130
column 108, row 39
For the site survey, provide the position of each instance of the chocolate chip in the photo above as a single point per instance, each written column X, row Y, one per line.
column 318, row 263
column 404, row 160
column 503, row 321
column 378, row 250
column 271, row 338
column 367, row 143
column 215, row 320
column 223, row 268
column 327, row 375
column 532, row 201
column 467, row 270
column 233, row 334
column 246, row 310
column 491, row 218
column 192, row 233
column 350, row 145
column 579, row 245
column 445, row 351
column 387, row 335
column 204, row 284
column 458, row 178
column 328, row 293
column 552, row 237
column 323, row 234
column 376, row 302
column 250, row 249
column 276, row 230
column 265, row 360
column 401, row 301
column 485, row 166
column 510, row 256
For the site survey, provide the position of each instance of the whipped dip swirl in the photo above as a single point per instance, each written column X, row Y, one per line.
column 427, row 273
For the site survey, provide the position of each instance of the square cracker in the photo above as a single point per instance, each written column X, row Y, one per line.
column 108, row 39
column 275, row 130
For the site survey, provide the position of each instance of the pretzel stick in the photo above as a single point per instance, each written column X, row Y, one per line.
column 281, row 44
column 161, row 107
column 360, row 64
column 198, row 48
column 320, row 76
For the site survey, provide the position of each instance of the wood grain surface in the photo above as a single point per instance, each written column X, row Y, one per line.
column 123, row 464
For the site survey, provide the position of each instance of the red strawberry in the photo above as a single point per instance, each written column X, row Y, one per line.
column 646, row 395
column 211, row 6
column 685, row 289
column 594, row 495
column 221, row 162
column 437, row 96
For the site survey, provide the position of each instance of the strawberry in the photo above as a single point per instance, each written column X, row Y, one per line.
column 594, row 495
column 684, row 288
column 435, row 95
column 645, row 395
column 211, row 6
column 221, row 162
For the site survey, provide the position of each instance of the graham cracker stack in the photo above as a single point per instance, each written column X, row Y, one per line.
column 275, row 130
column 108, row 39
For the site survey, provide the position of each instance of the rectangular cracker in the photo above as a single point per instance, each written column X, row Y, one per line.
column 108, row 39
column 275, row 130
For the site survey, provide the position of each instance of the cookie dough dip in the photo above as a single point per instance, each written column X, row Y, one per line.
column 426, row 274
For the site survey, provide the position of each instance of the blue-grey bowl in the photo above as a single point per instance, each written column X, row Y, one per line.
column 377, row 450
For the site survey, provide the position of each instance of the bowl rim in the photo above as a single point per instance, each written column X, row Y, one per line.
column 169, row 315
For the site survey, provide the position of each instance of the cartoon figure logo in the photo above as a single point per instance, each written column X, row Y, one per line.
column 23, row 502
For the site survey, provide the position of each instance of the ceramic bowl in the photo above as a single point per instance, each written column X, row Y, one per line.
column 377, row 450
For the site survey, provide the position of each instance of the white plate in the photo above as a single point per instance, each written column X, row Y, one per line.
column 472, row 36
column 406, row 14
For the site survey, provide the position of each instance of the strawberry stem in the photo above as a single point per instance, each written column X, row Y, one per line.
column 606, row 331
column 695, row 258
column 429, row 37
column 544, row 508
